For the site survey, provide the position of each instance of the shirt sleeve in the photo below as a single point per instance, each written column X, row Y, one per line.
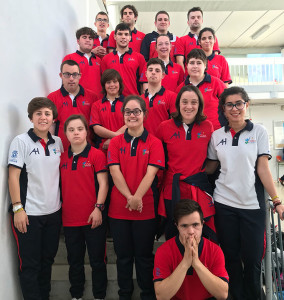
column 262, row 141
column 142, row 64
column 212, row 152
column 143, row 78
column 100, row 161
column 179, row 48
column 218, row 266
column 145, row 47
column 225, row 74
column 111, row 41
column 113, row 152
column 172, row 102
column 216, row 45
column 17, row 153
column 95, row 118
column 104, row 62
column 162, row 269
column 157, row 155
column 181, row 75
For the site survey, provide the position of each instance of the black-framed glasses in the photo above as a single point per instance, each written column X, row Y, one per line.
column 136, row 112
column 102, row 20
column 74, row 75
column 238, row 105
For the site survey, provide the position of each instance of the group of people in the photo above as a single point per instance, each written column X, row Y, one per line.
column 137, row 127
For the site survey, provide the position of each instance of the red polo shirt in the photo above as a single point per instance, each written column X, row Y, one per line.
column 133, row 156
column 174, row 76
column 103, row 43
column 135, row 43
column 78, row 184
column 90, row 70
column 81, row 104
column 217, row 66
column 159, row 107
column 188, row 42
column 211, row 88
column 130, row 67
column 169, row 256
column 108, row 115
column 148, row 47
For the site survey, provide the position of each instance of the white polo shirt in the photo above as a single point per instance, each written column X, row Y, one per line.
column 39, row 180
column 238, row 184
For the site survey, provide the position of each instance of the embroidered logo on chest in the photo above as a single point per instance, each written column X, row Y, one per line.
column 56, row 150
column 86, row 164
column 250, row 140
column 161, row 102
column 145, row 151
column 201, row 135
column 215, row 67
column 208, row 89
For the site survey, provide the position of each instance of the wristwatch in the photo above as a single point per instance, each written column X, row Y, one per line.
column 101, row 207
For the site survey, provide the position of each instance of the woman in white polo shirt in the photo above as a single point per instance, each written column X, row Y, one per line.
column 242, row 148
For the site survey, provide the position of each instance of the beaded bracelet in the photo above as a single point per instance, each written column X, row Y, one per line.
column 275, row 197
column 276, row 203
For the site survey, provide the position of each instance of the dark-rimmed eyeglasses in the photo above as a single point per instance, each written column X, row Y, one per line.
column 238, row 105
column 102, row 20
column 74, row 75
column 136, row 112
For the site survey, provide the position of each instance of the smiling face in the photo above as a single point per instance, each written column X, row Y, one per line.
column 196, row 68
column 42, row 120
column 122, row 38
column 207, row 41
column 162, row 23
column 134, row 121
column 76, row 132
column 233, row 114
column 163, row 47
column 112, row 88
column 85, row 43
column 188, row 106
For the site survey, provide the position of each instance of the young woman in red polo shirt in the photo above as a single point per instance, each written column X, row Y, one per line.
column 134, row 159
column 106, row 118
column 186, row 137
column 217, row 65
column 84, row 186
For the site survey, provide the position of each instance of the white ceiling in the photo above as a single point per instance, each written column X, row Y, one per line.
column 233, row 20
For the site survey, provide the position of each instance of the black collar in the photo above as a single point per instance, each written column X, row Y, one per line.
column 36, row 138
column 179, row 123
column 129, row 51
column 84, row 153
column 248, row 127
column 120, row 98
column 65, row 93
column 106, row 38
column 134, row 31
column 207, row 78
column 161, row 92
column 128, row 137
column 83, row 54
column 210, row 57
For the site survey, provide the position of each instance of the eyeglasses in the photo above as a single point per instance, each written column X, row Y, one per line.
column 68, row 75
column 136, row 112
column 102, row 20
column 238, row 105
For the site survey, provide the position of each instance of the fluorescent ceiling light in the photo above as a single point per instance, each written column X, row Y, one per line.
column 259, row 32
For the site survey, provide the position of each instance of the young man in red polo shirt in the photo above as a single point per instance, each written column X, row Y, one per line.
column 128, row 63
column 160, row 102
column 71, row 98
column 162, row 23
column 188, row 266
column 129, row 15
column 90, row 64
column 190, row 41
column 101, row 38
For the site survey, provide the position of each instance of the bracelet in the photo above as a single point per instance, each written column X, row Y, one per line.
column 275, row 197
column 101, row 207
column 20, row 209
column 17, row 207
column 19, row 202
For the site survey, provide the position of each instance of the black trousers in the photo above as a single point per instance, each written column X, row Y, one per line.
column 133, row 242
column 37, row 249
column 76, row 239
column 241, row 235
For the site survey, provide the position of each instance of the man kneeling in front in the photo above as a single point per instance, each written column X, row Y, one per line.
column 189, row 266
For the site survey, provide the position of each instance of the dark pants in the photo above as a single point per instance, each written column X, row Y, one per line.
column 170, row 229
column 76, row 239
column 37, row 249
column 133, row 241
column 241, row 235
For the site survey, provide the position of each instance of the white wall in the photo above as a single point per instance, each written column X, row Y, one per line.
column 265, row 115
column 35, row 35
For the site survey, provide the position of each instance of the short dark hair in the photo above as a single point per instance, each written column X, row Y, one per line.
column 102, row 13
column 76, row 117
column 197, row 54
column 200, row 115
column 138, row 99
column 111, row 74
column 162, row 34
column 234, row 90
column 132, row 7
column 161, row 12
column 41, row 102
column 156, row 61
column 186, row 207
column 204, row 30
column 196, row 8
column 85, row 30
column 69, row 62
column 122, row 27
